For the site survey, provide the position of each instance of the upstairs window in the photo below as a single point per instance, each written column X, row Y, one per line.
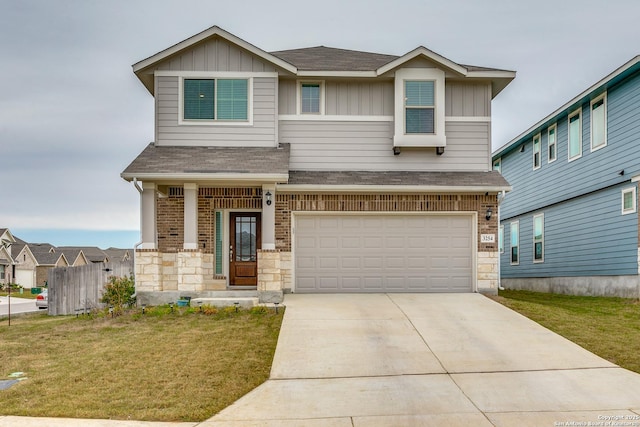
column 575, row 136
column 216, row 99
column 310, row 98
column 515, row 243
column 419, row 99
column 599, row 122
column 551, row 143
column 537, row 160
column 628, row 200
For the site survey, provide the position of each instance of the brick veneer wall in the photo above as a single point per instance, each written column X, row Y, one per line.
column 286, row 203
column 170, row 214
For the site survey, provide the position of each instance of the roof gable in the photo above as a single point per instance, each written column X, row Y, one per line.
column 592, row 91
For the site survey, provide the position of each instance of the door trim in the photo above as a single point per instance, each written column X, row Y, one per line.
column 231, row 232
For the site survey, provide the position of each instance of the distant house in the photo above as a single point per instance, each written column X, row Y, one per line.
column 34, row 261
column 75, row 256
column 315, row 170
column 93, row 254
column 6, row 260
column 118, row 255
column 570, row 225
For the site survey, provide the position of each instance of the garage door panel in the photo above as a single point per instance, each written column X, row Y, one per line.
column 378, row 253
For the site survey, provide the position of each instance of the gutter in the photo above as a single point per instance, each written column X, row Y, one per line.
column 364, row 188
column 501, row 197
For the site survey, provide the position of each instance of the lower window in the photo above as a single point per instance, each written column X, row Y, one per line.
column 628, row 200
column 515, row 243
column 538, row 238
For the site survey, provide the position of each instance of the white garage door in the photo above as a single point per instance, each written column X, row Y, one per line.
column 25, row 278
column 383, row 253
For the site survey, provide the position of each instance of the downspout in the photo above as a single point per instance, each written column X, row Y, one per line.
column 500, row 200
column 135, row 247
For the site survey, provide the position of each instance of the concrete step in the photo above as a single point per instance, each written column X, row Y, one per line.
column 244, row 301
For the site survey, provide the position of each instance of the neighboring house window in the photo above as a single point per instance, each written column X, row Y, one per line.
column 551, row 143
column 497, row 165
column 575, row 136
column 599, row 122
column 515, row 238
column 419, row 98
column 628, row 200
column 310, row 98
column 536, row 152
column 538, row 238
column 1, row 272
column 216, row 99
column 501, row 239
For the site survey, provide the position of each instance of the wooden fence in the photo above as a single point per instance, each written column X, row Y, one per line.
column 79, row 289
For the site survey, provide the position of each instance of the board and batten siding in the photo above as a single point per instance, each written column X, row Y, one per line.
column 348, row 98
column 586, row 236
column 216, row 55
column 354, row 145
column 261, row 133
column 561, row 179
column 343, row 98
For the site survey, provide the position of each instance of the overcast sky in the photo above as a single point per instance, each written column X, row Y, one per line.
column 73, row 114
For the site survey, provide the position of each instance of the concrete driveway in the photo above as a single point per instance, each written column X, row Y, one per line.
column 429, row 360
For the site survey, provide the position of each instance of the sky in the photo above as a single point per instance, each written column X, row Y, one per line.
column 73, row 115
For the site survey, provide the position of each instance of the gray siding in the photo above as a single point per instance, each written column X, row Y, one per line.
column 562, row 179
column 261, row 133
column 344, row 98
column 328, row 145
column 215, row 55
column 586, row 236
column 467, row 99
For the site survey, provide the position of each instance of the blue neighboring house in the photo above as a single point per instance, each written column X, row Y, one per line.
column 570, row 225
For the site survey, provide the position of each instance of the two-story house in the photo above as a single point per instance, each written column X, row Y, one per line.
column 570, row 225
column 315, row 170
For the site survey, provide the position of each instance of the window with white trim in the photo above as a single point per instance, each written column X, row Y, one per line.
column 599, row 122
column 552, row 147
column 537, row 159
column 538, row 238
column 311, row 97
column 497, row 164
column 575, row 135
column 1, row 271
column 419, row 107
column 628, row 200
column 215, row 100
column 501, row 239
column 419, row 104
column 515, row 242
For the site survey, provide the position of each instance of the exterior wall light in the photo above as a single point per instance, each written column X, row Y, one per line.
column 488, row 214
column 267, row 197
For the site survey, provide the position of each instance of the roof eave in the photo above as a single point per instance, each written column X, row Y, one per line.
column 422, row 51
column 321, row 188
column 549, row 118
column 208, row 177
column 141, row 66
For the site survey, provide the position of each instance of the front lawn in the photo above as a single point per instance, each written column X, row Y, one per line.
column 180, row 365
column 608, row 327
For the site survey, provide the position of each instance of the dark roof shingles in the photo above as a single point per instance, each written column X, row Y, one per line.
column 464, row 179
column 332, row 59
column 184, row 160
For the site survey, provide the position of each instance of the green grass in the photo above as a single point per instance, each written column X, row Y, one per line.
column 166, row 366
column 608, row 327
column 25, row 294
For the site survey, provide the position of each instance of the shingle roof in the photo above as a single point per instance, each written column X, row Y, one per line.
column 444, row 179
column 322, row 58
column 92, row 253
column 209, row 160
column 41, row 251
column 116, row 254
column 70, row 254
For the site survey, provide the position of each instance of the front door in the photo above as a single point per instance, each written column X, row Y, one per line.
column 244, row 238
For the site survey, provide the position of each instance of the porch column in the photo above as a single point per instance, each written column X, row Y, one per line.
column 268, row 217
column 148, row 216
column 190, row 216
